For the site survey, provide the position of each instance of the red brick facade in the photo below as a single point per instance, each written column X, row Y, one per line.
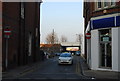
column 51, row 48
column 90, row 11
column 25, row 37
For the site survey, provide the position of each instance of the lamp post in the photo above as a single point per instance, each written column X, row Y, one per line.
column 79, row 35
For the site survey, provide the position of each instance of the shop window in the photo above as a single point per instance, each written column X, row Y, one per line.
column 105, row 35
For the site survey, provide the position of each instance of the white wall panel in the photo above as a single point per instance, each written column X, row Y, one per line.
column 119, row 49
column 115, row 50
column 94, row 49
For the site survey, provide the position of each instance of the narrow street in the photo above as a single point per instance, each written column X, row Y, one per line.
column 51, row 70
column 31, row 30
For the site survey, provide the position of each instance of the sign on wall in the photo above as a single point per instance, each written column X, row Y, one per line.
column 105, row 38
column 88, row 35
column 7, row 32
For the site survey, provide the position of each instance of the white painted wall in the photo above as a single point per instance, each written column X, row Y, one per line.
column 119, row 49
column 89, row 52
column 115, row 50
column 94, row 49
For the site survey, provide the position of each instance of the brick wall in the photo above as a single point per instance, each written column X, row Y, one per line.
column 11, row 19
column 22, row 29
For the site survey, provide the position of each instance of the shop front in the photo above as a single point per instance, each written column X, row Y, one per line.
column 104, row 44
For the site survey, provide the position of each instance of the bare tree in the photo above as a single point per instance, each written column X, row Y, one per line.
column 52, row 38
column 63, row 38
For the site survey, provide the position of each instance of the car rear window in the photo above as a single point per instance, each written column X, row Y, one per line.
column 65, row 55
column 77, row 51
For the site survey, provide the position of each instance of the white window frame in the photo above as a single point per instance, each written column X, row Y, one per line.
column 114, row 3
column 103, row 4
column 106, row 5
column 98, row 7
column 22, row 10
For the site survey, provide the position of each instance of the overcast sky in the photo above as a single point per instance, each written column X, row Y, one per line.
column 66, row 18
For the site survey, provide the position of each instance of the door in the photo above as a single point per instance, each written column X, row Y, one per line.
column 105, row 48
column 105, row 55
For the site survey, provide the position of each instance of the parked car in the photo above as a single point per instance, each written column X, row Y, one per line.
column 65, row 58
column 52, row 55
column 77, row 53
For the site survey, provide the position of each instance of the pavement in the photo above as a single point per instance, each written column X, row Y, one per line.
column 94, row 74
column 14, row 73
column 99, row 74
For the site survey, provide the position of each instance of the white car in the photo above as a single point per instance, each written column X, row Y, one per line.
column 65, row 58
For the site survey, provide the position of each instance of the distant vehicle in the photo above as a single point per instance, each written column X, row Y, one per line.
column 72, row 54
column 64, row 52
column 57, row 54
column 77, row 53
column 65, row 58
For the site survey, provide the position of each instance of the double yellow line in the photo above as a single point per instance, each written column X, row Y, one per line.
column 77, row 68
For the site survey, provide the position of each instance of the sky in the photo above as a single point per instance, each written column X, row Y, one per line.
column 66, row 18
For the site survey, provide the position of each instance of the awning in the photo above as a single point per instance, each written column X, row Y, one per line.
column 117, row 21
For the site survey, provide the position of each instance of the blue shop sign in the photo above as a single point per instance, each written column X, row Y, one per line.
column 118, row 21
column 105, row 22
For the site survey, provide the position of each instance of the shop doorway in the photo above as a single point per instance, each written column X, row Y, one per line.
column 105, row 49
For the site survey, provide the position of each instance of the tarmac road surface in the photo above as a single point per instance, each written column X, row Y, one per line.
column 51, row 70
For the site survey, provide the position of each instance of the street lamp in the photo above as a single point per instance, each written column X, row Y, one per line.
column 79, row 39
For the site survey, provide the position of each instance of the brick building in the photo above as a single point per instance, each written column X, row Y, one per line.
column 23, row 18
column 102, row 20
column 51, row 48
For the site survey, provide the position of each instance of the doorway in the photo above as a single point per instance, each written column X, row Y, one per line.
column 105, row 49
